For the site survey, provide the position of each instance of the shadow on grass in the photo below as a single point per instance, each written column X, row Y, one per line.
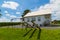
column 26, row 28
column 39, row 34
column 27, row 32
column 33, row 33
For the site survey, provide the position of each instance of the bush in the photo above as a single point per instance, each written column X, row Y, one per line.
column 9, row 23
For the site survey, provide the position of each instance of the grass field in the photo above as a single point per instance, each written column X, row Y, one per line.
column 17, row 34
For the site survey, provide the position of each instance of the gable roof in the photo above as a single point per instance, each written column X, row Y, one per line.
column 36, row 13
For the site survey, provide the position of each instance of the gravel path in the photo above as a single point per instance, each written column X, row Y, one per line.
column 51, row 27
column 19, row 26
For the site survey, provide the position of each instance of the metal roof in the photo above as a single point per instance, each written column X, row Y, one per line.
column 35, row 13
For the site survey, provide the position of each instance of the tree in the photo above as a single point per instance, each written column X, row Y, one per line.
column 24, row 13
column 0, row 13
column 11, row 20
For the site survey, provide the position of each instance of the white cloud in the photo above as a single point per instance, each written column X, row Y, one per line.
column 56, row 8
column 34, row 9
column 13, row 16
column 6, row 11
column 17, row 12
column 4, row 19
column 53, row 7
column 8, row 15
column 10, row 4
column 16, row 20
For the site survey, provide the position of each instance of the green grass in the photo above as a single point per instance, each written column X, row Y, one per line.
column 17, row 34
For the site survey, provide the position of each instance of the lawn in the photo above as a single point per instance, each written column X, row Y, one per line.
column 18, row 33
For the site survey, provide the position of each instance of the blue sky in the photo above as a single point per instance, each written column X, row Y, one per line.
column 15, row 8
column 6, row 11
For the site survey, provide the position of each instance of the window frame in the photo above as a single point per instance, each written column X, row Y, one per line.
column 28, row 20
column 33, row 19
column 39, row 18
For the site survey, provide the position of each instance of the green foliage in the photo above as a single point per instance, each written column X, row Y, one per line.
column 9, row 23
column 25, row 12
column 0, row 15
column 56, row 22
column 17, row 34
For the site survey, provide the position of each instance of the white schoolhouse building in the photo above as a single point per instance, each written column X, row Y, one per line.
column 39, row 17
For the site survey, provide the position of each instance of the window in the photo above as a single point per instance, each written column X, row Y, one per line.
column 28, row 20
column 39, row 19
column 22, row 19
column 33, row 19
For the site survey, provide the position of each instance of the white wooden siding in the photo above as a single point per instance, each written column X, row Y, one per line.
column 42, row 19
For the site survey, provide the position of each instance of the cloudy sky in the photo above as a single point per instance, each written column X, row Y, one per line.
column 14, row 8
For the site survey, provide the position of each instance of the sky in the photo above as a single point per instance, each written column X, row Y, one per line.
column 15, row 8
